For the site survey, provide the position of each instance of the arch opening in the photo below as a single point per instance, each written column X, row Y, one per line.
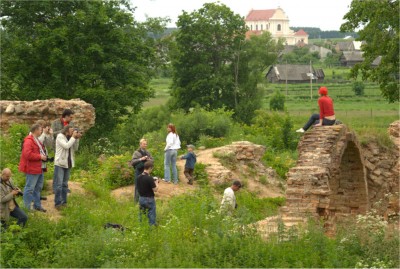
column 349, row 190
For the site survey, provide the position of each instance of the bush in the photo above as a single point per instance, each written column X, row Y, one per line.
column 116, row 172
column 11, row 144
column 191, row 126
column 358, row 88
column 277, row 102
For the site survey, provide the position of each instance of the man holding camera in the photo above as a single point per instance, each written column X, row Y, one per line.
column 9, row 206
column 59, row 124
column 64, row 160
column 139, row 157
column 147, row 185
column 33, row 164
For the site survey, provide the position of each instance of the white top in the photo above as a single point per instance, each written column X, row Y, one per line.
column 173, row 141
column 229, row 200
column 62, row 148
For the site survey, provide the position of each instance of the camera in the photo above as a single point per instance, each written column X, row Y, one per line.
column 20, row 193
column 49, row 159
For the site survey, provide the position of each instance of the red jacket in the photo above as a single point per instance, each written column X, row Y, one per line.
column 325, row 107
column 30, row 162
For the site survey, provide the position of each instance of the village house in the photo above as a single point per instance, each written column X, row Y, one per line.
column 276, row 22
column 294, row 73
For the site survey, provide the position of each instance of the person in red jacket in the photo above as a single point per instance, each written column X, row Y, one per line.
column 326, row 114
column 32, row 164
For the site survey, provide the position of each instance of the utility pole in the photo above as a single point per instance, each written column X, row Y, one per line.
column 311, row 77
column 286, row 78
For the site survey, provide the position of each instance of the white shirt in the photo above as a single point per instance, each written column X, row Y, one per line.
column 173, row 141
column 229, row 200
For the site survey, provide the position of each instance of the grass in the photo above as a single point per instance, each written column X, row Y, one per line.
column 368, row 114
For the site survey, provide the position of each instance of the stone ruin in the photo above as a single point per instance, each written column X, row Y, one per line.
column 28, row 112
column 335, row 177
column 244, row 158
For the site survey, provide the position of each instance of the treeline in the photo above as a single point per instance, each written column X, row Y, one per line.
column 315, row 32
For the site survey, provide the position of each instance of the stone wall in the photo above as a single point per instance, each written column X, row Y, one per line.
column 336, row 176
column 28, row 112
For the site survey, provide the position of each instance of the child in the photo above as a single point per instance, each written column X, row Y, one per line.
column 190, row 162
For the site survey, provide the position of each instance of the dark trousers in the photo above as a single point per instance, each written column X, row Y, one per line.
column 136, row 195
column 314, row 119
column 189, row 174
column 19, row 214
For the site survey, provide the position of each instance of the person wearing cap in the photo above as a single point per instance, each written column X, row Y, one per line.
column 228, row 204
column 190, row 158
column 326, row 114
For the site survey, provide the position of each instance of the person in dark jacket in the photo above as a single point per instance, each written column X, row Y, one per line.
column 190, row 158
column 139, row 157
column 32, row 163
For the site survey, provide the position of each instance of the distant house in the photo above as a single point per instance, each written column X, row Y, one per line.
column 276, row 22
column 322, row 52
column 344, row 46
column 293, row 73
column 350, row 58
column 349, row 46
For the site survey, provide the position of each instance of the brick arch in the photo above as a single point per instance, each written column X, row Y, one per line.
column 329, row 179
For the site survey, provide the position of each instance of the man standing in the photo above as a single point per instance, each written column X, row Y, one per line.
column 64, row 160
column 9, row 206
column 32, row 164
column 228, row 204
column 66, row 119
column 147, row 185
column 139, row 157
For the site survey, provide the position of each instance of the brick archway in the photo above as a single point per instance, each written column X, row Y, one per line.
column 329, row 179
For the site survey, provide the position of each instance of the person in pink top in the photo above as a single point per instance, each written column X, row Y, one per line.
column 326, row 114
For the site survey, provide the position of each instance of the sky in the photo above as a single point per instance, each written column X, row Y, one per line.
column 324, row 14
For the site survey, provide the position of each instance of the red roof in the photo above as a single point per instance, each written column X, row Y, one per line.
column 260, row 15
column 300, row 33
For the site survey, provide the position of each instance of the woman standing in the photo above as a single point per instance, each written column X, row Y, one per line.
column 326, row 114
column 171, row 153
column 63, row 162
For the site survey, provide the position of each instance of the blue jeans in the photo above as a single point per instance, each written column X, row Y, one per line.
column 314, row 119
column 170, row 162
column 61, row 176
column 148, row 205
column 33, row 187
column 20, row 215
column 136, row 196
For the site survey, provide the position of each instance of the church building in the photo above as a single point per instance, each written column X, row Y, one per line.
column 277, row 23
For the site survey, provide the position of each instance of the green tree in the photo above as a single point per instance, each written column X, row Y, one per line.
column 358, row 88
column 213, row 62
column 207, row 41
column 379, row 23
column 93, row 50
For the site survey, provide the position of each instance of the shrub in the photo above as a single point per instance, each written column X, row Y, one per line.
column 358, row 88
column 11, row 144
column 116, row 172
column 277, row 102
column 215, row 123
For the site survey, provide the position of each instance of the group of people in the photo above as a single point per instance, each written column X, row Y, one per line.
column 64, row 138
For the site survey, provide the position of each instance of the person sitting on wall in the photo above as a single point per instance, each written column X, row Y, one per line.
column 326, row 114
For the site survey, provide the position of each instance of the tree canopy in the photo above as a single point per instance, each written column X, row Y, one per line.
column 93, row 50
column 214, row 65
column 379, row 27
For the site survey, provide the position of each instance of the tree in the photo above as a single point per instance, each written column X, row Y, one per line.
column 214, row 66
column 93, row 50
column 379, row 23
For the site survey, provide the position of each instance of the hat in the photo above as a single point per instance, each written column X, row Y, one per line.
column 191, row 146
column 323, row 91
